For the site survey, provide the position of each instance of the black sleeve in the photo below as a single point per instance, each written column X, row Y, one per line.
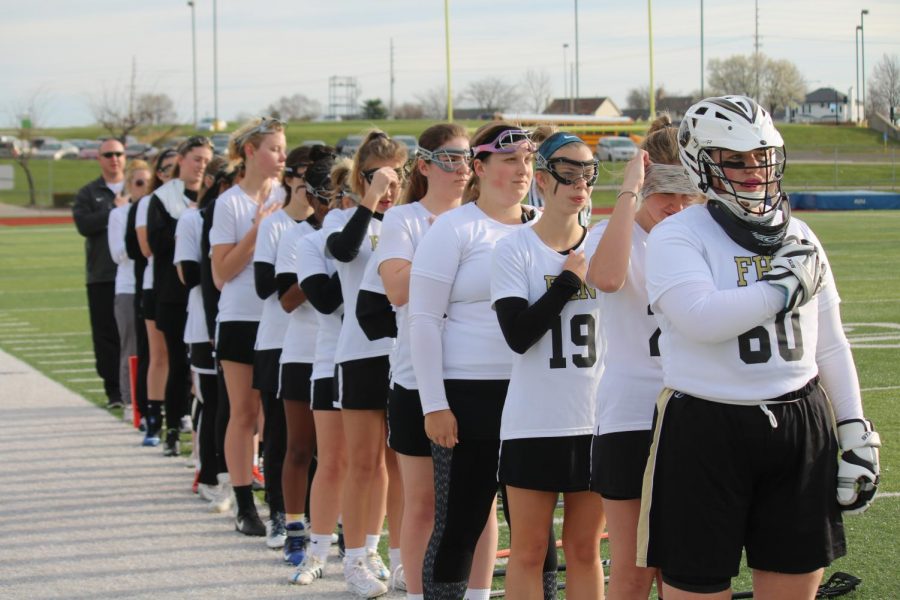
column 344, row 245
column 90, row 216
column 132, row 247
column 375, row 315
column 323, row 292
column 190, row 270
column 283, row 282
column 160, row 229
column 207, row 285
column 524, row 325
column 264, row 278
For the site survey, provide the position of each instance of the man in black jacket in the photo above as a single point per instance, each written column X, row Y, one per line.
column 91, row 213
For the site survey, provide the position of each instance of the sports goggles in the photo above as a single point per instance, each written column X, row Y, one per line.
column 567, row 171
column 345, row 193
column 446, row 159
column 265, row 125
column 507, row 142
column 370, row 173
column 196, row 141
column 322, row 194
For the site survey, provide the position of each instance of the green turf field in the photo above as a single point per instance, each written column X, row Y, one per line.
column 43, row 320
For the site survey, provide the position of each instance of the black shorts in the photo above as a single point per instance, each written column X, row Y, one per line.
column 295, row 383
column 618, row 461
column 406, row 423
column 202, row 360
column 363, row 384
column 720, row 478
column 477, row 406
column 547, row 464
column 148, row 305
column 266, row 370
column 323, row 394
column 235, row 341
column 171, row 317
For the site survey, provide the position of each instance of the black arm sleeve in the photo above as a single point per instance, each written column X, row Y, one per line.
column 524, row 325
column 132, row 247
column 323, row 292
column 207, row 285
column 344, row 245
column 264, row 278
column 375, row 315
column 283, row 282
column 190, row 270
column 160, row 229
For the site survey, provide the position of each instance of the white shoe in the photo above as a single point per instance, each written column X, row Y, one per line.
column 225, row 499
column 276, row 534
column 360, row 580
column 128, row 415
column 398, row 579
column 208, row 492
column 376, row 566
column 309, row 570
column 186, row 425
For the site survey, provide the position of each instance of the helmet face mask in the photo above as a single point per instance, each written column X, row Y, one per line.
column 728, row 173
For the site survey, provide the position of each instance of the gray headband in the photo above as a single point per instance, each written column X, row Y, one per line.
column 667, row 179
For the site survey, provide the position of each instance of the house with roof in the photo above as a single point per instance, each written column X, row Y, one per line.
column 595, row 107
column 824, row 105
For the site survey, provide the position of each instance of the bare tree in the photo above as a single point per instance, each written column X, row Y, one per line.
column 157, row 109
column 28, row 115
column 434, row 102
column 639, row 97
column 537, row 90
column 492, row 94
column 409, row 110
column 733, row 75
column 115, row 110
column 294, row 108
column 884, row 87
column 782, row 85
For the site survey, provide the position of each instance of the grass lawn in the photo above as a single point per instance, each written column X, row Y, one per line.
column 43, row 321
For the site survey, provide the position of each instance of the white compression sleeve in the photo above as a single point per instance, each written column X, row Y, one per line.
column 837, row 371
column 708, row 315
column 428, row 300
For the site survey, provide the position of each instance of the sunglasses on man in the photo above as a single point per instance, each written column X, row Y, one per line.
column 116, row 154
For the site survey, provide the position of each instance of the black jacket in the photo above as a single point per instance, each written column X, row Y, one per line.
column 161, row 236
column 91, row 209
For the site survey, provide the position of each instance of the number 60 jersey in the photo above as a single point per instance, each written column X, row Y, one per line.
column 769, row 358
column 552, row 386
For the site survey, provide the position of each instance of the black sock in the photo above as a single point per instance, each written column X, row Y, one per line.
column 154, row 415
column 244, row 496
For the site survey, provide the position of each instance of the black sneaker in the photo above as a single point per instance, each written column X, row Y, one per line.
column 172, row 444
column 114, row 403
column 249, row 523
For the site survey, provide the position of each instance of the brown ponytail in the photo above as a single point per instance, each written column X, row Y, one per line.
column 431, row 139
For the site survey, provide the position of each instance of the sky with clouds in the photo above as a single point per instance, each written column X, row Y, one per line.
column 71, row 52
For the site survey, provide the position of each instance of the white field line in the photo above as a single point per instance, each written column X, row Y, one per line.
column 73, row 371
column 51, row 291
column 888, row 495
column 83, row 380
column 15, row 323
column 10, row 230
column 873, row 346
column 35, row 336
column 30, row 352
column 878, row 389
column 95, row 391
column 70, row 361
column 47, row 308
column 33, row 348
column 872, row 301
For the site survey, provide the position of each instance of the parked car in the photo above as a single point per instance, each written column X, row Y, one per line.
column 348, row 146
column 143, row 151
column 79, row 143
column 220, row 142
column 55, row 151
column 12, row 147
column 90, row 150
column 312, row 143
column 210, row 124
column 39, row 141
column 412, row 144
column 615, row 148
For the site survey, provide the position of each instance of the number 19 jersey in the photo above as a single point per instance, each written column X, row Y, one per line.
column 553, row 384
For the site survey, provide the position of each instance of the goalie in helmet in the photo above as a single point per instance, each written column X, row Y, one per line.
column 757, row 371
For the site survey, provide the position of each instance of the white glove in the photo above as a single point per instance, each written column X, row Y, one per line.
column 797, row 269
column 858, row 468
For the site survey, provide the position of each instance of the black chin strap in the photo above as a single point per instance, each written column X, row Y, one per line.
column 757, row 238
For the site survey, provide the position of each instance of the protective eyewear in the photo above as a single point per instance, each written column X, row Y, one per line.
column 370, row 174
column 164, row 169
column 567, row 171
column 299, row 171
column 112, row 154
column 345, row 193
column 197, row 141
column 266, row 125
column 764, row 158
column 448, row 160
column 511, row 140
column 322, row 194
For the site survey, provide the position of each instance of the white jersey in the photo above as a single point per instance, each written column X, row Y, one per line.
column 115, row 237
column 632, row 372
column 772, row 359
column 311, row 260
column 302, row 327
column 233, row 218
column 403, row 228
column 353, row 343
column 140, row 220
column 187, row 249
column 274, row 321
column 553, row 384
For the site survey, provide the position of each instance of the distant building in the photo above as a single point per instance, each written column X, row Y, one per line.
column 676, row 106
column 597, row 107
column 824, row 105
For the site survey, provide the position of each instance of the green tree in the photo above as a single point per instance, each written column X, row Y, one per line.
column 374, row 109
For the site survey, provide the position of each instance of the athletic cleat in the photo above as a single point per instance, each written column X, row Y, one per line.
column 208, row 492
column 142, row 427
column 114, row 403
column 308, row 571
column 186, row 426
column 172, row 445
column 224, row 500
column 377, row 566
column 296, row 542
column 398, row 579
column 361, row 582
column 249, row 523
column 259, row 482
column 151, row 438
column 128, row 414
column 275, row 531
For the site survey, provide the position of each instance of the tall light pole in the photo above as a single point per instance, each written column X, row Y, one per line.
column 650, row 32
column 565, row 71
column 215, row 67
column 447, row 51
column 577, row 63
column 862, row 43
column 194, row 49
column 702, row 72
column 856, row 100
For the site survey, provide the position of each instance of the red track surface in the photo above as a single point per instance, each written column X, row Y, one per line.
column 22, row 221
